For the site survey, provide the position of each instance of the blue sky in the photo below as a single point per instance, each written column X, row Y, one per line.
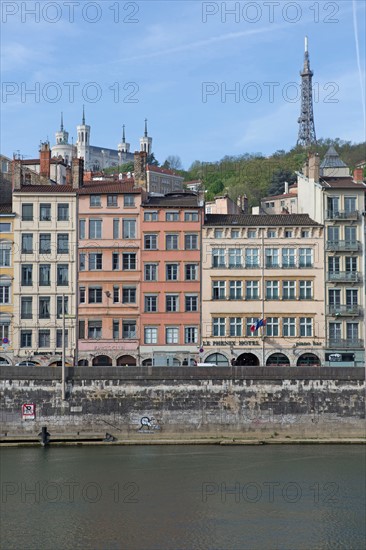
column 174, row 62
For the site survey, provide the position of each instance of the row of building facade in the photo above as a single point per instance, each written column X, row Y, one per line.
column 134, row 278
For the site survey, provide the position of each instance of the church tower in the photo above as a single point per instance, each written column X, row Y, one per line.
column 146, row 141
column 63, row 148
column 83, row 141
column 123, row 147
column 306, row 136
column 62, row 137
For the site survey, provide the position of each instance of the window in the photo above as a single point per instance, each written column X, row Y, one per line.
column 288, row 257
column 288, row 234
column 82, row 261
column 59, row 308
column 95, row 295
column 306, row 290
column 5, row 254
column 116, row 228
column 27, row 243
column 218, row 290
column 25, row 338
column 335, row 331
column 27, row 270
column 271, row 234
column 94, row 330
column 305, row 234
column 172, row 335
column 5, row 227
column 288, row 290
column 172, row 302
column 218, row 325
column 151, row 242
column 27, row 212
column 115, row 261
column 272, row 326
column 333, row 206
column 191, row 216
column 190, row 335
column 45, row 212
column 129, row 261
column 191, row 302
column 128, row 201
column 112, row 200
column 191, row 272
column 252, row 290
column 95, row 261
column 82, row 295
column 351, row 264
column 305, row 257
column 129, row 229
column 172, row 216
column 95, row 229
column 236, row 291
column 128, row 329
column 218, row 257
column 150, row 216
column 235, row 234
column 115, row 294
column 59, row 338
column 252, row 233
column 150, row 335
column 334, row 296
column 115, row 329
column 62, row 243
column 271, row 257
column 171, row 272
column 82, row 229
column 95, row 200
column 250, row 321
column 352, row 331
column 62, row 275
column 350, row 204
column 272, row 290
column 171, row 242
column 151, row 303
column 333, row 234
column 44, row 338
column 351, row 298
column 218, row 233
column 128, row 295
column 4, row 328
column 235, row 258
column 151, row 272
column 333, row 264
column 26, row 307
column 44, row 307
column 45, row 243
column 235, row 326
column 251, row 257
column 191, row 242
column 306, row 326
column 62, row 212
column 289, row 326
column 4, row 294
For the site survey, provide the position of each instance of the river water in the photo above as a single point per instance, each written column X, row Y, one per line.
column 184, row 497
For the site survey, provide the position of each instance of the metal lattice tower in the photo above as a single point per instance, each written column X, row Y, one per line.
column 306, row 135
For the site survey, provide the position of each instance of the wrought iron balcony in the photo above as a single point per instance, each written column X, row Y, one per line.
column 342, row 215
column 350, row 343
column 344, row 310
column 344, row 276
column 343, row 245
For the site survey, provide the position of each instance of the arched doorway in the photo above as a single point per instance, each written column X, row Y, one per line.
column 278, row 360
column 58, row 363
column 102, row 361
column 247, row 360
column 4, row 361
column 147, row 362
column 218, row 359
column 83, row 363
column 126, row 361
column 308, row 360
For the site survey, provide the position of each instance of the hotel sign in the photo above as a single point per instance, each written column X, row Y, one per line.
column 231, row 343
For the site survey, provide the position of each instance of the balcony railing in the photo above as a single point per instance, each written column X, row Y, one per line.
column 344, row 310
column 342, row 214
column 350, row 343
column 344, row 276
column 343, row 245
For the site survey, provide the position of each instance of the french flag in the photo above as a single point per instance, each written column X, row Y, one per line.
column 258, row 324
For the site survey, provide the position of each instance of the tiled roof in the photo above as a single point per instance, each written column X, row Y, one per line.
column 341, row 182
column 35, row 162
column 182, row 200
column 152, row 168
column 115, row 188
column 6, row 209
column 284, row 196
column 332, row 160
column 262, row 220
column 46, row 189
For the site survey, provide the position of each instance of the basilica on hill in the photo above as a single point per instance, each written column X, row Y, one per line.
column 95, row 158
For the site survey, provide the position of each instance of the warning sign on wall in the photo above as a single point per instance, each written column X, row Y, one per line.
column 28, row 411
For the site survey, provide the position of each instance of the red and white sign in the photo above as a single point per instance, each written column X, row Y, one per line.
column 28, row 411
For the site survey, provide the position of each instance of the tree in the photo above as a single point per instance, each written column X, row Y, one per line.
column 152, row 160
column 173, row 162
column 279, row 177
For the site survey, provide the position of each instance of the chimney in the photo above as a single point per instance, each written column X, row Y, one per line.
column 314, row 165
column 140, row 163
column 245, row 204
column 45, row 160
column 68, row 175
column 17, row 176
column 358, row 175
column 77, row 172
column 305, row 168
column 286, row 188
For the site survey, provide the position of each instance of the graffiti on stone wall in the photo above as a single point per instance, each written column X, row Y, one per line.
column 148, row 424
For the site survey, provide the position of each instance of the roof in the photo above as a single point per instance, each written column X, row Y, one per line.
column 6, row 209
column 53, row 188
column 283, row 196
column 109, row 187
column 152, row 168
column 253, row 220
column 347, row 182
column 176, row 200
column 35, row 162
column 332, row 159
